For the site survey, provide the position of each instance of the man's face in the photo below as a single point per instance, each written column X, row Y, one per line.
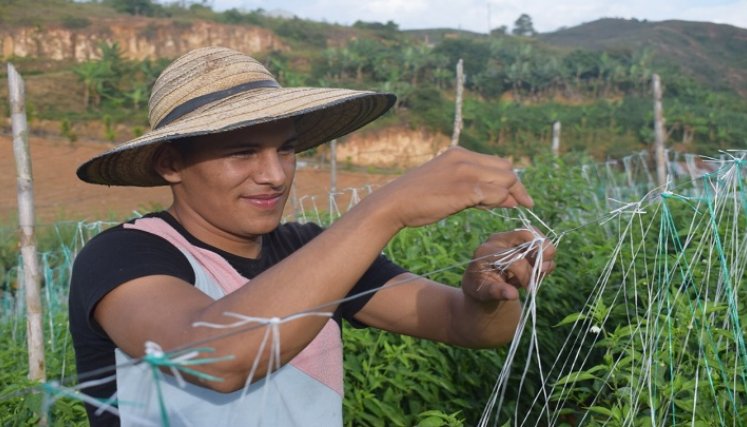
column 236, row 183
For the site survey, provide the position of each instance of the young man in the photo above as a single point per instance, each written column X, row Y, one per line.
column 224, row 139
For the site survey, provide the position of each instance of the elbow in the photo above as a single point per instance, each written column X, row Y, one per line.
column 226, row 384
column 226, row 377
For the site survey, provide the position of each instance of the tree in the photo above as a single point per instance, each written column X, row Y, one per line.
column 475, row 53
column 136, row 7
column 91, row 74
column 499, row 31
column 523, row 26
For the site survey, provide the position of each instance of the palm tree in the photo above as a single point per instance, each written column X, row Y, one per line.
column 92, row 74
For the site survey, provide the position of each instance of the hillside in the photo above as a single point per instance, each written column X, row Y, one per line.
column 89, row 67
column 713, row 54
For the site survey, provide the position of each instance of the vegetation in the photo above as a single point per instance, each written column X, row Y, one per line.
column 403, row 381
column 388, row 377
column 594, row 78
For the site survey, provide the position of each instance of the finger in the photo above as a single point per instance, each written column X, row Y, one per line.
column 501, row 198
column 521, row 195
column 508, row 239
column 547, row 267
column 502, row 244
column 493, row 189
column 502, row 291
column 548, row 249
column 519, row 273
column 547, row 259
column 493, row 287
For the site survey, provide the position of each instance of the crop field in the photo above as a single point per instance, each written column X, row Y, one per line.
column 641, row 324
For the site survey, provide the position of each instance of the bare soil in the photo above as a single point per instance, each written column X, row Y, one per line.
column 60, row 195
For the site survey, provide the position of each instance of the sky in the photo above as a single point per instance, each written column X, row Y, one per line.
column 479, row 15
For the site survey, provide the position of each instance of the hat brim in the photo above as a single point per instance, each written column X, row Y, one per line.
column 319, row 114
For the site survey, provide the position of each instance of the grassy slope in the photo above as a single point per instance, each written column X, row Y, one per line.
column 713, row 54
column 17, row 13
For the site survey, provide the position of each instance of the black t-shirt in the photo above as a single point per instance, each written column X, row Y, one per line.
column 119, row 255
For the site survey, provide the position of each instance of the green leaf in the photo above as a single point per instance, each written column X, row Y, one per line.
column 431, row 422
column 574, row 377
column 571, row 318
column 600, row 410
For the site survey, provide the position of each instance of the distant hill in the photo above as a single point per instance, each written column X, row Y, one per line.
column 713, row 54
column 437, row 35
column 90, row 65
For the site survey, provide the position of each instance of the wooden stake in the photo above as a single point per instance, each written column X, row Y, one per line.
column 332, row 175
column 458, row 104
column 660, row 134
column 556, row 139
column 294, row 201
column 31, row 276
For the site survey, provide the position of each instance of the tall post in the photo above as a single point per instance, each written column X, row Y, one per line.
column 294, row 201
column 659, row 134
column 24, row 179
column 458, row 103
column 332, row 175
column 556, row 139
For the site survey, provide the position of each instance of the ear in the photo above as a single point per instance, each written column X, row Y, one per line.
column 168, row 163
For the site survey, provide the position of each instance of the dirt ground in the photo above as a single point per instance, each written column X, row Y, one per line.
column 59, row 195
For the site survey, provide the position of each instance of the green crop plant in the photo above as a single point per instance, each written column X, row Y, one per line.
column 641, row 294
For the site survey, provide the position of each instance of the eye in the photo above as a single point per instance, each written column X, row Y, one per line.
column 287, row 148
column 286, row 151
column 244, row 152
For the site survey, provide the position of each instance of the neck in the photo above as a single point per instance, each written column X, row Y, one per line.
column 249, row 246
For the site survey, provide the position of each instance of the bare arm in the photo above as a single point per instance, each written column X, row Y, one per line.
column 163, row 309
column 484, row 313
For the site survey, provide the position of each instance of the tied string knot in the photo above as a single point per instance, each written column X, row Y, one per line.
column 181, row 361
column 669, row 195
column 53, row 390
column 631, row 208
column 271, row 336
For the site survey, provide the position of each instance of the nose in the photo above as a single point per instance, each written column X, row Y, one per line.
column 272, row 169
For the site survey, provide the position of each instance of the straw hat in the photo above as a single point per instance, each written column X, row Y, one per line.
column 215, row 89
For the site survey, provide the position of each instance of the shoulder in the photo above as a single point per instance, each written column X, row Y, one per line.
column 120, row 254
column 124, row 242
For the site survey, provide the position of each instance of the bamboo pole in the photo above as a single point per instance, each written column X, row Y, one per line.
column 458, row 103
column 31, row 276
column 659, row 134
column 294, row 201
column 556, row 139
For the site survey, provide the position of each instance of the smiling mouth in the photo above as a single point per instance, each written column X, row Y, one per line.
column 265, row 201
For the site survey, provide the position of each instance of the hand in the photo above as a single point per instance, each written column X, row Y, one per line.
column 453, row 181
column 484, row 282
